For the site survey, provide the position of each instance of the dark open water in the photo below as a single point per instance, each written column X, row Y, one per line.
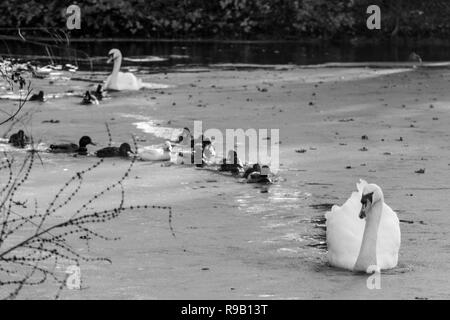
column 92, row 54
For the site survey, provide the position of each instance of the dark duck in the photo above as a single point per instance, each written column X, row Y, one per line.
column 19, row 139
column 259, row 176
column 123, row 151
column 89, row 98
column 185, row 138
column 80, row 148
column 38, row 97
column 233, row 164
column 255, row 168
column 99, row 93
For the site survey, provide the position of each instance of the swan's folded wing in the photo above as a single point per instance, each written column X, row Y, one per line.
column 344, row 232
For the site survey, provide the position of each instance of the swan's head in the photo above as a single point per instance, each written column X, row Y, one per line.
column 113, row 55
column 371, row 194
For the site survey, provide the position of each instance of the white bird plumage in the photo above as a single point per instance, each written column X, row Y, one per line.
column 155, row 153
column 345, row 231
column 119, row 81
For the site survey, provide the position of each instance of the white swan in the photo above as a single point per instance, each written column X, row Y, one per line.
column 120, row 80
column 125, row 80
column 155, row 153
column 359, row 244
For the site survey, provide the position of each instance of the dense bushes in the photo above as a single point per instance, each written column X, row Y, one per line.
column 232, row 19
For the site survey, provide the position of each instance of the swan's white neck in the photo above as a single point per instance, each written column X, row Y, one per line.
column 117, row 65
column 368, row 253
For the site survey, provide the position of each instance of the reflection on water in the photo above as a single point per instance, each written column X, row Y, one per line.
column 151, row 54
column 290, row 222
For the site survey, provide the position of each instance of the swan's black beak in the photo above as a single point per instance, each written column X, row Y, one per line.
column 366, row 202
column 362, row 213
column 110, row 59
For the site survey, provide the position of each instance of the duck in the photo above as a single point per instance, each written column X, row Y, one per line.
column 70, row 68
column 119, row 81
column 255, row 168
column 42, row 72
column 208, row 152
column 99, row 93
column 185, row 137
column 81, row 148
column 89, row 99
column 38, row 97
column 258, row 176
column 19, row 139
column 123, row 151
column 414, row 57
column 186, row 156
column 156, row 153
column 363, row 235
column 233, row 164
column 204, row 152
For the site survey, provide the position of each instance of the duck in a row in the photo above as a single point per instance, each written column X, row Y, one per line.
column 252, row 174
column 232, row 164
column 156, row 153
column 260, row 176
column 124, row 151
column 80, row 148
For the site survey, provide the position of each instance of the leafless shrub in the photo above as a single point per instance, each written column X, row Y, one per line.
column 34, row 245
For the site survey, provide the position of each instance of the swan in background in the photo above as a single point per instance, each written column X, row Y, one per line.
column 125, row 80
column 364, row 233
column 155, row 153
